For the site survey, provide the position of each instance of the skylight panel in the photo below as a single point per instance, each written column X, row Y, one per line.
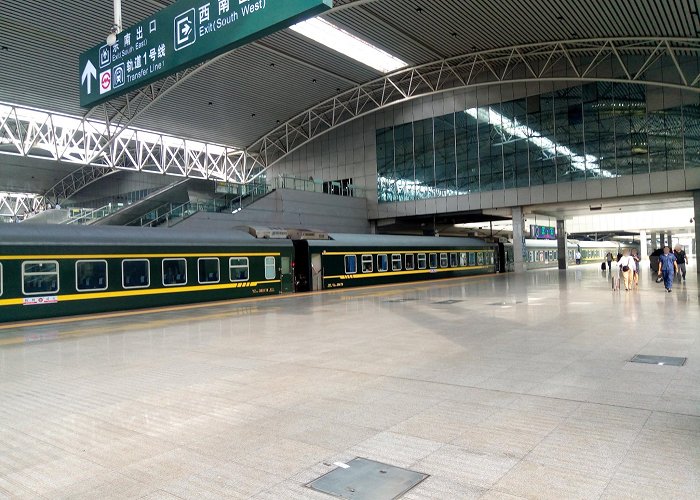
column 329, row 35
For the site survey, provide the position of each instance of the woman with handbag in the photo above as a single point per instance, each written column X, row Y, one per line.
column 628, row 266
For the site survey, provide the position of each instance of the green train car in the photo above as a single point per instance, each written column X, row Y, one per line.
column 58, row 270
column 48, row 271
column 361, row 260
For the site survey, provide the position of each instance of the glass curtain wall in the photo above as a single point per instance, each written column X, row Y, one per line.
column 592, row 131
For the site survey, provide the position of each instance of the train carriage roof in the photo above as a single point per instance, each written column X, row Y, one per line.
column 394, row 241
column 64, row 235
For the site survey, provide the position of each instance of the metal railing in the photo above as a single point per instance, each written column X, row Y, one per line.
column 87, row 216
column 171, row 214
column 314, row 186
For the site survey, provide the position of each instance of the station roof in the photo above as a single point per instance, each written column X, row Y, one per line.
column 242, row 96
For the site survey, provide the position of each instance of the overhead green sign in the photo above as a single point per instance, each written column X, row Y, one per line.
column 179, row 36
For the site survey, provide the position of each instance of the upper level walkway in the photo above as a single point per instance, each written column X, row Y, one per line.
column 519, row 387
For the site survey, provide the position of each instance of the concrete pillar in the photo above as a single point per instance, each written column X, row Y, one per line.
column 653, row 242
column 696, row 200
column 643, row 251
column 662, row 240
column 669, row 240
column 561, row 244
column 518, row 240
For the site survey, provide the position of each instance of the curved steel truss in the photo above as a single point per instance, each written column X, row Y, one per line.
column 13, row 205
column 40, row 134
column 668, row 62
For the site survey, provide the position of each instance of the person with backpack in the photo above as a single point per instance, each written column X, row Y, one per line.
column 628, row 266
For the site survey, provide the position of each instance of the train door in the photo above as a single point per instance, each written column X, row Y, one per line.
column 286, row 275
column 316, row 272
column 301, row 266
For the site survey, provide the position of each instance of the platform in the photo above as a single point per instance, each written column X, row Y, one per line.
column 497, row 387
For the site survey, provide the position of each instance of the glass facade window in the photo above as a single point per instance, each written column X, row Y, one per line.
column 90, row 275
column 597, row 130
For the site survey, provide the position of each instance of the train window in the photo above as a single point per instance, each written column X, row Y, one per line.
column 136, row 273
column 433, row 260
column 453, row 260
column 367, row 265
column 443, row 260
column 531, row 256
column 422, row 261
column 480, row 258
column 90, row 275
column 208, row 271
column 350, row 264
column 238, row 268
column 472, row 259
column 174, row 272
column 382, row 263
column 396, row 262
column 270, row 271
column 39, row 277
column 463, row 259
column 0, row 278
column 409, row 262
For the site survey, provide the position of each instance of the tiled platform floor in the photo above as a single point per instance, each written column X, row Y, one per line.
column 522, row 389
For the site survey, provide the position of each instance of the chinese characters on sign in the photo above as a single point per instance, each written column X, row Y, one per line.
column 182, row 35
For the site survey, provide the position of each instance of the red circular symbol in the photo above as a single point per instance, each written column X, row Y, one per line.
column 106, row 80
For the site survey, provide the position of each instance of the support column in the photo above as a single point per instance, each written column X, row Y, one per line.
column 643, row 251
column 518, row 240
column 561, row 244
column 662, row 240
column 653, row 242
column 696, row 199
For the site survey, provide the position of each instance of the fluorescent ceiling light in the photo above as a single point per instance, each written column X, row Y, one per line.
column 331, row 36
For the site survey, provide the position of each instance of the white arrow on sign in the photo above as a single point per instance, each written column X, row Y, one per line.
column 89, row 73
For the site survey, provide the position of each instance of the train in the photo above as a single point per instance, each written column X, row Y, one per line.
column 55, row 270
column 545, row 253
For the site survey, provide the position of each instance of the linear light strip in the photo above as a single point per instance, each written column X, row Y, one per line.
column 329, row 35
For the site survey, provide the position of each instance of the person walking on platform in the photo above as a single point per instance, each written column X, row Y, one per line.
column 667, row 266
column 609, row 259
column 627, row 266
column 578, row 257
column 681, row 259
column 637, row 259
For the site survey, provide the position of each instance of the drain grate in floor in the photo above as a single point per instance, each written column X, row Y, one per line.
column 363, row 479
column 448, row 302
column 658, row 360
